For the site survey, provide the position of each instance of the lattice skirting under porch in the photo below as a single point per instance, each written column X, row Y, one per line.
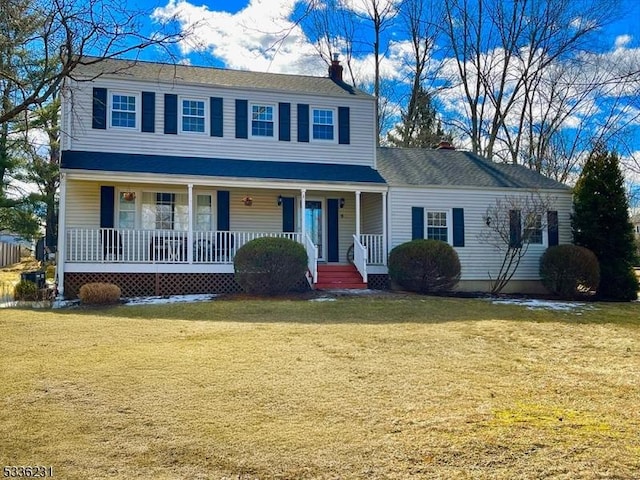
column 378, row 281
column 148, row 284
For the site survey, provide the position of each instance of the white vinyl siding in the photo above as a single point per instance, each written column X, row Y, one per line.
column 360, row 151
column 477, row 258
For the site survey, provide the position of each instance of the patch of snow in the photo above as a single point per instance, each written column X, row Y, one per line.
column 323, row 299
column 543, row 304
column 169, row 299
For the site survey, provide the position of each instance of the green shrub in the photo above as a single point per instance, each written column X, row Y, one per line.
column 425, row 266
column 99, row 293
column 270, row 265
column 569, row 271
column 26, row 290
column 50, row 272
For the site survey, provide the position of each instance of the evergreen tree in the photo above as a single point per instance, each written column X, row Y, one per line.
column 601, row 223
column 420, row 127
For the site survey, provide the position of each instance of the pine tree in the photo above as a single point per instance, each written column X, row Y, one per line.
column 420, row 127
column 601, row 223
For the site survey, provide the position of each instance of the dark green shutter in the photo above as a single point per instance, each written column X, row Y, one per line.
column 303, row 122
column 458, row 227
column 515, row 229
column 284, row 122
column 288, row 214
column 99, row 114
column 216, row 116
column 242, row 119
column 170, row 114
column 417, row 223
column 344, row 128
column 552, row 228
column 107, row 201
column 223, row 210
column 148, row 112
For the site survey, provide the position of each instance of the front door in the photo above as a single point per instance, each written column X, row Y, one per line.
column 314, row 225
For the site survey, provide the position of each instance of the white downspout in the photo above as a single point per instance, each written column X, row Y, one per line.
column 61, row 254
column 385, row 228
column 190, row 225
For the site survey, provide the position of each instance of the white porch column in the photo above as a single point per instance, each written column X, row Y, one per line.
column 384, row 228
column 303, row 201
column 190, row 225
column 61, row 252
column 358, row 215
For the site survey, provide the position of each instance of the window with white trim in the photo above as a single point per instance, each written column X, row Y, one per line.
column 165, row 211
column 262, row 120
column 204, row 213
column 127, row 210
column 123, row 110
column 437, row 226
column 532, row 231
column 193, row 115
column 323, row 124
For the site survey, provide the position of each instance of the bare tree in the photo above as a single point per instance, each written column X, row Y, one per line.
column 515, row 63
column 511, row 224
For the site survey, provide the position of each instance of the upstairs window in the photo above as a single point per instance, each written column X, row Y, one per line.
column 437, row 226
column 123, row 110
column 262, row 120
column 193, row 115
column 323, row 124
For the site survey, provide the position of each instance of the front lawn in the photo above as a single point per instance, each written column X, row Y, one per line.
column 392, row 387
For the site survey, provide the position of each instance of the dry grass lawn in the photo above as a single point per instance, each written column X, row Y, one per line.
column 371, row 388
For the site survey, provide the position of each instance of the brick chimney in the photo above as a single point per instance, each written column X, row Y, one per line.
column 444, row 145
column 335, row 69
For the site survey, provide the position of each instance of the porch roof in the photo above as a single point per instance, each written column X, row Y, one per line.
column 218, row 167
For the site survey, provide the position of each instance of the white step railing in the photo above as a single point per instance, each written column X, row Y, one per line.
column 375, row 248
column 360, row 258
column 312, row 259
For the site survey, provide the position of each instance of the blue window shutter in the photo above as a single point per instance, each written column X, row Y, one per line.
column 417, row 223
column 458, row 227
column 288, row 214
column 303, row 122
column 284, row 122
column 216, row 120
column 242, row 119
column 99, row 114
column 344, row 128
column 170, row 113
column 333, row 234
column 107, row 201
column 223, row 210
column 515, row 229
column 148, row 112
column 552, row 228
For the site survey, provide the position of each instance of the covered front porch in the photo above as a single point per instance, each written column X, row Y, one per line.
column 131, row 227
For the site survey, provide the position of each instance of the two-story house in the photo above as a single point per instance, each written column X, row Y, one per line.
column 167, row 170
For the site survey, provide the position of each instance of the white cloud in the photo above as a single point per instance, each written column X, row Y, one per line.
column 258, row 37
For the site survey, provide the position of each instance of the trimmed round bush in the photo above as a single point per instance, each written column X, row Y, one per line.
column 270, row 265
column 26, row 291
column 425, row 266
column 99, row 293
column 569, row 271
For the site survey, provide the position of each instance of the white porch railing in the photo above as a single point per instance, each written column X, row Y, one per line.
column 360, row 258
column 375, row 248
column 312, row 258
column 108, row 245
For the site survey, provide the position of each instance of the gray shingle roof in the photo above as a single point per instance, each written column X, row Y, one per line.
column 164, row 72
column 418, row 167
